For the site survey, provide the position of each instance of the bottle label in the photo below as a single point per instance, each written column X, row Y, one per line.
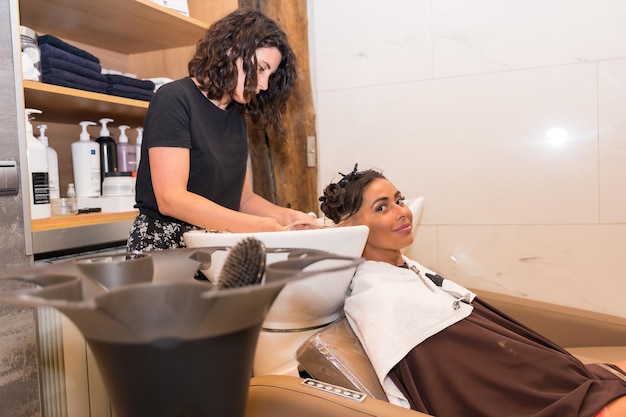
column 96, row 180
column 41, row 189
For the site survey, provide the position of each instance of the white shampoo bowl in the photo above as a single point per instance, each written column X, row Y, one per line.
column 312, row 302
column 303, row 306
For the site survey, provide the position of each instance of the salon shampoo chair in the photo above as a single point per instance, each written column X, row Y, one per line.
column 335, row 356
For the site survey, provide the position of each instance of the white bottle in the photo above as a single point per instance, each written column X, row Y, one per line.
column 138, row 145
column 86, row 164
column 53, row 164
column 37, row 160
column 126, row 153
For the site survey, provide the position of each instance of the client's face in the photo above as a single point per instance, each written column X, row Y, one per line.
column 389, row 220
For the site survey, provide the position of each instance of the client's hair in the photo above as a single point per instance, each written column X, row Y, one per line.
column 344, row 198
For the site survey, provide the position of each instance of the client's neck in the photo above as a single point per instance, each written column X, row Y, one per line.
column 393, row 257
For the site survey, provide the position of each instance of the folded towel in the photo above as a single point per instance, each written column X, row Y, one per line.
column 50, row 51
column 134, row 82
column 69, row 79
column 48, row 63
column 29, row 71
column 129, row 92
column 54, row 41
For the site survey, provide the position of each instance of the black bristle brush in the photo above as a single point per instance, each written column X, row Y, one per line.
column 244, row 264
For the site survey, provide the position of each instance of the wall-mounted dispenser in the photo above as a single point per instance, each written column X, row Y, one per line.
column 9, row 183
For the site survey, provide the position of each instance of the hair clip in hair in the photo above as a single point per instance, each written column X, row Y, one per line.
column 334, row 192
column 348, row 177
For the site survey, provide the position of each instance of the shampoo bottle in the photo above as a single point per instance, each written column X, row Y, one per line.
column 108, row 150
column 53, row 164
column 126, row 153
column 86, row 164
column 37, row 160
column 138, row 145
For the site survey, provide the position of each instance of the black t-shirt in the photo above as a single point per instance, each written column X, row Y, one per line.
column 180, row 116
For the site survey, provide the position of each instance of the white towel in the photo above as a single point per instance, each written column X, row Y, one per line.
column 393, row 309
column 160, row 81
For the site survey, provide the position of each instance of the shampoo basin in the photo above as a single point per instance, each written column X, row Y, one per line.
column 303, row 306
column 308, row 303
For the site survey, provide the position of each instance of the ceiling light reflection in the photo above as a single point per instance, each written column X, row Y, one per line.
column 557, row 136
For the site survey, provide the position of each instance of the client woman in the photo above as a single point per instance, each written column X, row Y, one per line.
column 435, row 346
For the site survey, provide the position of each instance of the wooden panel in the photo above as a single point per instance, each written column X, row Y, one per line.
column 209, row 11
column 170, row 63
column 127, row 26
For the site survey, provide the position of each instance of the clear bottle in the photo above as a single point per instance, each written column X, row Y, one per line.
column 71, row 197
column 32, row 54
column 126, row 153
column 53, row 164
column 86, row 164
column 71, row 191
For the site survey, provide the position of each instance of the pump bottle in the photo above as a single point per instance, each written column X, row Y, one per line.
column 108, row 150
column 53, row 163
column 126, row 153
column 37, row 160
column 86, row 164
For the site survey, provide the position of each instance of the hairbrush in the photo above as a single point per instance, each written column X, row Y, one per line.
column 244, row 264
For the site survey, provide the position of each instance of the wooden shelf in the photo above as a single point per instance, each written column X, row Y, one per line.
column 74, row 233
column 68, row 105
column 125, row 26
column 79, row 220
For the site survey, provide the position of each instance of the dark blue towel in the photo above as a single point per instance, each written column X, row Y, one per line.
column 54, row 41
column 134, row 82
column 48, row 63
column 50, row 51
column 128, row 91
column 69, row 79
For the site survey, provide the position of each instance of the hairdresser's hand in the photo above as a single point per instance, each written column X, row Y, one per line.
column 298, row 220
column 304, row 226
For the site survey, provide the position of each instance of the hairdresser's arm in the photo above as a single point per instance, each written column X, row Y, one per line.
column 253, row 203
column 170, row 171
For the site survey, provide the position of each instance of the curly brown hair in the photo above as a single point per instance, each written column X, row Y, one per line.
column 239, row 35
column 344, row 198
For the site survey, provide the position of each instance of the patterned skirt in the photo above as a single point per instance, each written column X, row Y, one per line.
column 149, row 234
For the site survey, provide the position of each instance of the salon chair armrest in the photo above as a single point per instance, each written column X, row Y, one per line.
column 567, row 326
column 282, row 395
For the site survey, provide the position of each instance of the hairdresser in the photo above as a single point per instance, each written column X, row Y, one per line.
column 194, row 169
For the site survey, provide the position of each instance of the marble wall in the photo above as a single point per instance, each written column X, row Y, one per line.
column 508, row 117
column 19, row 386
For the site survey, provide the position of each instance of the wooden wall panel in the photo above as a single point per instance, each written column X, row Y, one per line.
column 170, row 63
column 280, row 164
